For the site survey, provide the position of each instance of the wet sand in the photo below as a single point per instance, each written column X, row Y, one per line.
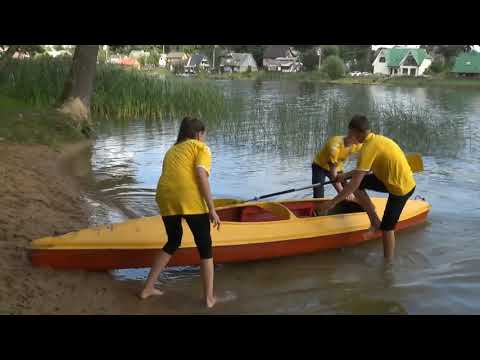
column 39, row 198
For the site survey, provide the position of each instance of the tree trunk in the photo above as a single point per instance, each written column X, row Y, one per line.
column 78, row 90
column 12, row 49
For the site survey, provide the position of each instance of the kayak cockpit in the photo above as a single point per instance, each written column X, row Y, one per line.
column 255, row 213
column 262, row 212
column 306, row 209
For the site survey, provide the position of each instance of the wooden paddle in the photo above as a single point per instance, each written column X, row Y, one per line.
column 414, row 159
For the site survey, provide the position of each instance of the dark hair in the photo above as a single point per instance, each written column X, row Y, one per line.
column 189, row 129
column 360, row 123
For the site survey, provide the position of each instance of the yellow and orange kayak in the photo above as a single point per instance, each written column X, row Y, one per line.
column 250, row 231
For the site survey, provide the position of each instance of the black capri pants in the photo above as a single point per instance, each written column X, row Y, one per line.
column 395, row 203
column 200, row 227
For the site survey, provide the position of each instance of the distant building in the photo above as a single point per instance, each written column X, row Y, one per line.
column 176, row 58
column 238, row 62
column 137, row 54
column 197, row 62
column 162, row 61
column 20, row 55
column 402, row 62
column 281, row 58
column 467, row 64
column 126, row 61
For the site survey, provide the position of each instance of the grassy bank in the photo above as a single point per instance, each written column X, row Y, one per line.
column 119, row 93
column 26, row 124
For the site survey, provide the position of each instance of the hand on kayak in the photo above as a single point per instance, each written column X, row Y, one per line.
column 215, row 219
column 324, row 207
column 351, row 197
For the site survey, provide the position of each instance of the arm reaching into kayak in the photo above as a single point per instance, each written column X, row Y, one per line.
column 339, row 179
column 349, row 189
column 202, row 176
column 333, row 175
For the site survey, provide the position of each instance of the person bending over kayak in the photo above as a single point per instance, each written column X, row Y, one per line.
column 329, row 162
column 390, row 173
column 183, row 191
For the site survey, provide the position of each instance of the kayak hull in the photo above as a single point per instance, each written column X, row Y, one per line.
column 120, row 257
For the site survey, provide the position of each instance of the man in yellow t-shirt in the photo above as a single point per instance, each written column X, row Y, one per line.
column 382, row 166
column 329, row 162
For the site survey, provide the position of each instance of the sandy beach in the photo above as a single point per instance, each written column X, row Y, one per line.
column 39, row 198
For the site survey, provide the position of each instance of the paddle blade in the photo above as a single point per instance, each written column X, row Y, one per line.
column 225, row 202
column 416, row 162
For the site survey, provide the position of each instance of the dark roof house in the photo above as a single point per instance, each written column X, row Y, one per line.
column 237, row 62
column 281, row 58
column 197, row 61
column 279, row 51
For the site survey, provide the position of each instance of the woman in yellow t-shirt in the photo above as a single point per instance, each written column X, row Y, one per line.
column 183, row 191
column 329, row 162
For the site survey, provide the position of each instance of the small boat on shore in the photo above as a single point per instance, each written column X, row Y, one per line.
column 250, row 231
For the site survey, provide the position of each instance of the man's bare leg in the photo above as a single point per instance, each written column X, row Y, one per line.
column 389, row 245
column 367, row 204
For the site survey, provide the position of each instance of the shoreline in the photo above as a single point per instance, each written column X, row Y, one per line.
column 43, row 197
column 316, row 77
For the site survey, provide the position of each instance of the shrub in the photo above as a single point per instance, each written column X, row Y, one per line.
column 310, row 60
column 334, row 67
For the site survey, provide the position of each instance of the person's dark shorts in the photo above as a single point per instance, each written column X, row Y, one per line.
column 395, row 203
column 200, row 227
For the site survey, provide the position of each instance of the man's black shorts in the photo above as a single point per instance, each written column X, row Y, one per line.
column 395, row 203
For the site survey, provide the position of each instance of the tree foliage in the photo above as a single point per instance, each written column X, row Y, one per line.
column 329, row 50
column 310, row 59
column 447, row 53
column 334, row 67
column 359, row 57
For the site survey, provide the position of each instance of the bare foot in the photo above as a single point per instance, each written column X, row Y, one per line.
column 228, row 296
column 146, row 293
column 210, row 302
column 370, row 234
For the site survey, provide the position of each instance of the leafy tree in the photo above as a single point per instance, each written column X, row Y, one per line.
column 360, row 57
column 446, row 53
column 12, row 49
column 334, row 67
column 310, row 59
column 329, row 50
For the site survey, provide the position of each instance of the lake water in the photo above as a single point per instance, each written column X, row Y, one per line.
column 266, row 142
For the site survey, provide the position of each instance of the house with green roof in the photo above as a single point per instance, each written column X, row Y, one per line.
column 467, row 64
column 401, row 61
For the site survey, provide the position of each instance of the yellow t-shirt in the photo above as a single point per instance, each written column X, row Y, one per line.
column 388, row 163
column 336, row 153
column 178, row 190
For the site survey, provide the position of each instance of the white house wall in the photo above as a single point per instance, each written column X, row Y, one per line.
column 380, row 68
column 424, row 66
column 250, row 62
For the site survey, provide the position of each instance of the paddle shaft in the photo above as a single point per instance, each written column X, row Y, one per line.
column 290, row 191
column 415, row 160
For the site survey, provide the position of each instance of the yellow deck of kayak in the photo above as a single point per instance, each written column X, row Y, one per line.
column 149, row 233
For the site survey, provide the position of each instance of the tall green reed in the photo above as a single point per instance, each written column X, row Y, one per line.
column 119, row 93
